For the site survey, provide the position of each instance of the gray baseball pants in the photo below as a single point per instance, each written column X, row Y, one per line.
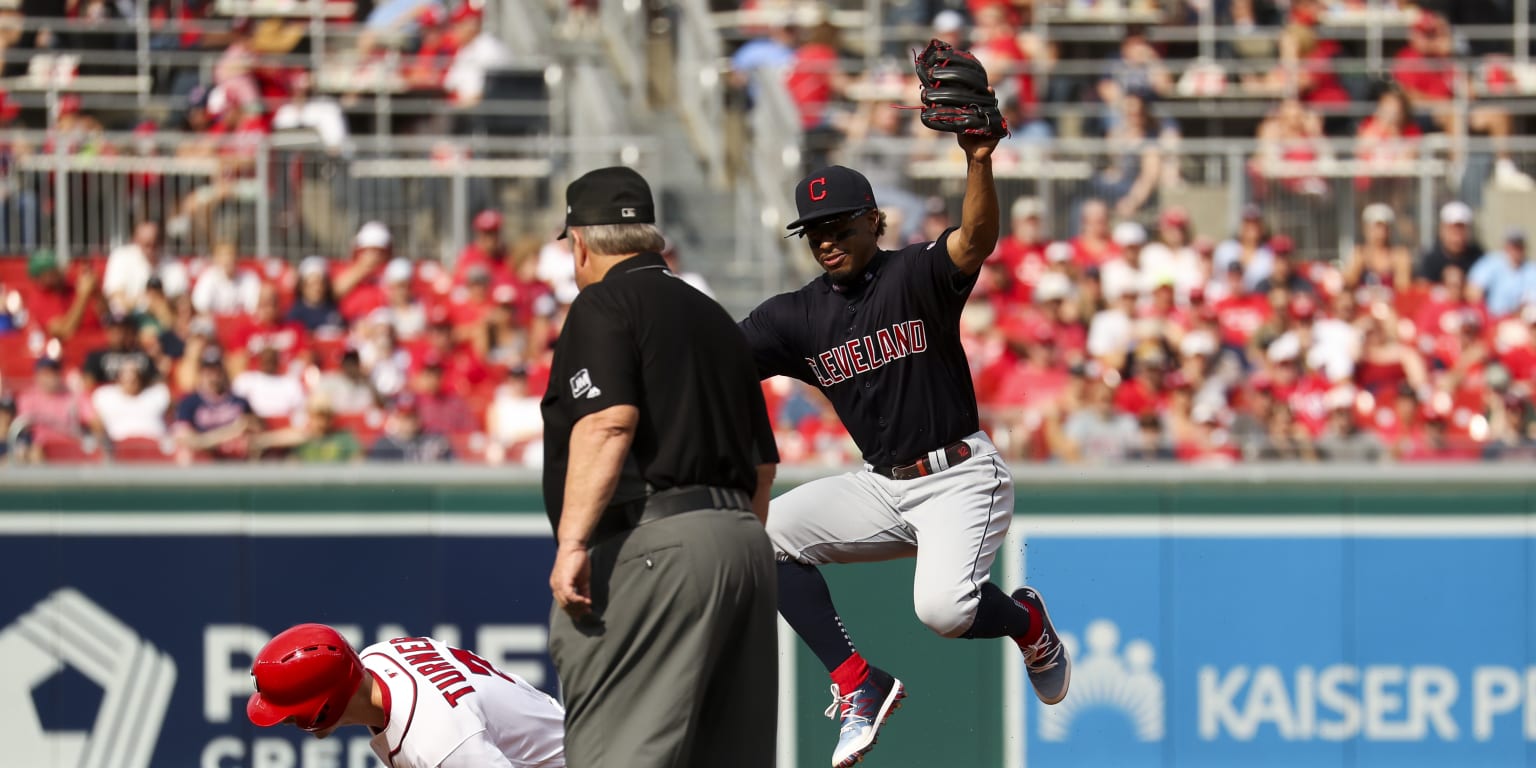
column 678, row 664
column 953, row 521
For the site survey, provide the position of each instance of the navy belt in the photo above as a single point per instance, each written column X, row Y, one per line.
column 936, row 461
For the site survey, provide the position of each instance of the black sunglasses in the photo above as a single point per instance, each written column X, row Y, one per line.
column 836, row 230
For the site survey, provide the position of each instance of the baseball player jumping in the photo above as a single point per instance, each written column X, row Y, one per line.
column 879, row 335
column 427, row 704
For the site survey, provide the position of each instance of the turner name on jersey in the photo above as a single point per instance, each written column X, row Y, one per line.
column 448, row 707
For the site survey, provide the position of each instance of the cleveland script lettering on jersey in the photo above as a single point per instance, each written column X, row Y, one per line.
column 885, row 350
column 448, row 706
column 866, row 353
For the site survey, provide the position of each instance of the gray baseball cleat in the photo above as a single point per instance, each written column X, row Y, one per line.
column 863, row 710
column 1050, row 668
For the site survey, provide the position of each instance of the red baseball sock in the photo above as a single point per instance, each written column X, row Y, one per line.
column 1035, row 626
column 851, row 673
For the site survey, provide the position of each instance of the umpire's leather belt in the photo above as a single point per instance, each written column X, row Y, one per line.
column 936, row 461
column 686, row 498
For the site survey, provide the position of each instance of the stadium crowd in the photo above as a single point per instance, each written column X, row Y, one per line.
column 1130, row 336
column 1304, row 59
column 258, row 75
column 1115, row 344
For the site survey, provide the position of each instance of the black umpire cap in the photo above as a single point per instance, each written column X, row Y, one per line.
column 614, row 195
column 830, row 192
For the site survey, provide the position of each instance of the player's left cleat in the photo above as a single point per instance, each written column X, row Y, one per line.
column 1050, row 668
column 863, row 710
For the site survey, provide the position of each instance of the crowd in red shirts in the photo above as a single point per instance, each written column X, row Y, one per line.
column 1120, row 344
column 153, row 357
column 1116, row 344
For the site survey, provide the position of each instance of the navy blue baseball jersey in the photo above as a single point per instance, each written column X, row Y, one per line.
column 885, row 350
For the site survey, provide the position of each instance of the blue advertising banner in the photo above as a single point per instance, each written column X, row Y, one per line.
column 1313, row 642
column 132, row 648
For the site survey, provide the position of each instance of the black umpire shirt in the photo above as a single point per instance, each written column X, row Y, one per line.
column 643, row 337
column 885, row 350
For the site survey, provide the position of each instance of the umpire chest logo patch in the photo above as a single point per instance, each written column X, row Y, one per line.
column 581, row 386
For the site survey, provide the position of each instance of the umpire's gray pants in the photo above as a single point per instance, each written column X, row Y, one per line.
column 678, row 664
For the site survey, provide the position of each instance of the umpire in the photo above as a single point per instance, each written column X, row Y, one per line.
column 658, row 462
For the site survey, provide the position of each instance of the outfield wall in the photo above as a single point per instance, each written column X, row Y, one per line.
column 1281, row 616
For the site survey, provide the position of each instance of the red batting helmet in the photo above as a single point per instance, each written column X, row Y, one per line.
column 307, row 673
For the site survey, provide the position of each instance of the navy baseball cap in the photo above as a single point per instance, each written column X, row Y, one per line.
column 613, row 195
column 830, row 192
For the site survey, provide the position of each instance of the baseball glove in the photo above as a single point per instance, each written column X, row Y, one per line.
column 955, row 95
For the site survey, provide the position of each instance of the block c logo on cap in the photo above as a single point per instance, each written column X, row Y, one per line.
column 815, row 195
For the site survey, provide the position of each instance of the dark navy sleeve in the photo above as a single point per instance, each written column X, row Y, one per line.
column 951, row 286
column 766, row 329
column 601, row 364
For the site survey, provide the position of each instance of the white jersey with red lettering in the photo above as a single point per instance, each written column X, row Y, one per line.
column 449, row 708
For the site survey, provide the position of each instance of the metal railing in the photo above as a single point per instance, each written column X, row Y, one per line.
column 775, row 166
column 700, row 94
column 286, row 196
column 153, row 72
column 874, row 30
column 1315, row 198
column 623, row 29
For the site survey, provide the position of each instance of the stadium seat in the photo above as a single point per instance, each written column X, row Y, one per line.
column 15, row 356
column 13, row 270
column 468, row 447
column 142, row 450
column 358, row 422
column 328, row 351
column 80, row 345
column 69, row 452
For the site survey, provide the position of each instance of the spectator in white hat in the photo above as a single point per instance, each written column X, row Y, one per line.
column 1111, row 332
column 1053, row 286
column 1059, row 255
column 1376, row 260
column 1456, row 245
column 407, row 315
column 949, row 26
column 224, row 289
column 370, row 250
column 1123, row 274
